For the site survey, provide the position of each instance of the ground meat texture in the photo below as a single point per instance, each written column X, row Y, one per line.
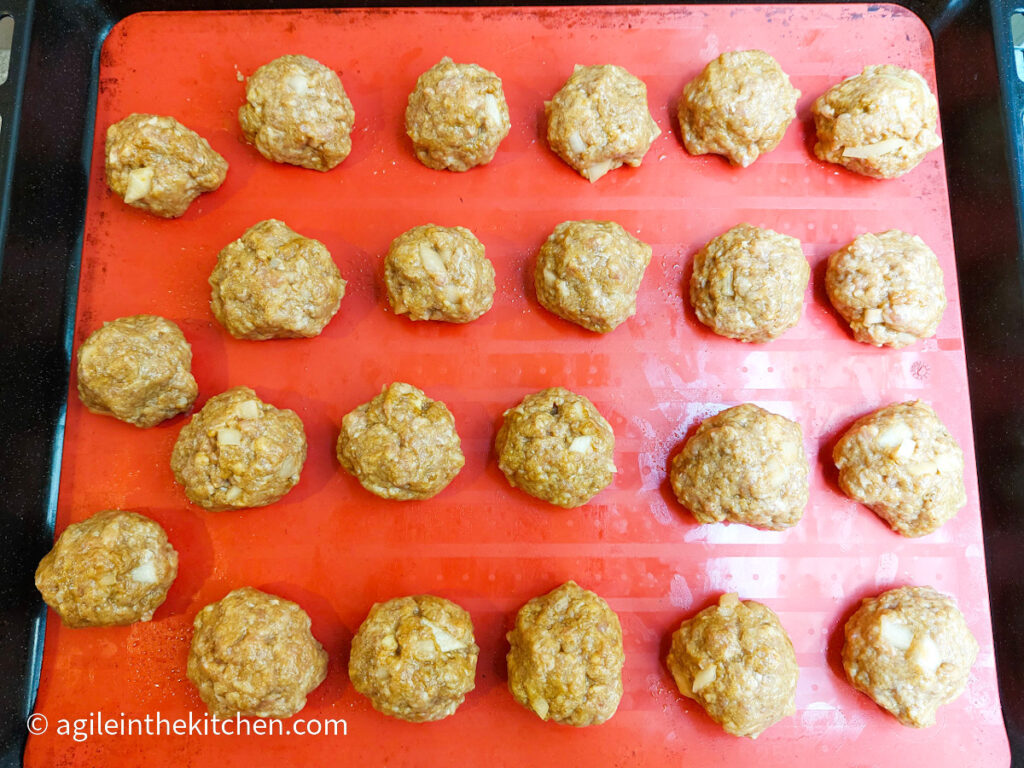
column 880, row 123
column 273, row 283
column 599, row 121
column 888, row 287
column 239, row 452
column 565, row 660
column 253, row 654
column 137, row 369
column 749, row 283
column 902, row 463
column 113, row 568
column 736, row 660
column 739, row 107
column 157, row 164
column 556, row 446
column 401, row 445
column 439, row 273
column 297, row 112
column 589, row 272
column 910, row 650
column 744, row 465
column 457, row 116
column 414, row 658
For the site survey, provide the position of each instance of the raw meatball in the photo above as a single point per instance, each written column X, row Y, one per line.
column 297, row 112
column 739, row 107
column 902, row 463
column 565, row 660
column 556, row 446
column 910, row 650
column 888, row 287
column 736, row 660
column 401, row 445
column 113, row 568
column 157, row 164
column 880, row 123
column 744, row 465
column 599, row 121
column 273, row 283
column 439, row 273
column 253, row 654
column 137, row 369
column 239, row 452
column 749, row 283
column 457, row 116
column 414, row 658
column 589, row 272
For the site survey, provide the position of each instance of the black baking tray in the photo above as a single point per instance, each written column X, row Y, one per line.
column 47, row 107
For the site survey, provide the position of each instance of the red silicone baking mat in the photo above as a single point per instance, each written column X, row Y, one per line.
column 336, row 549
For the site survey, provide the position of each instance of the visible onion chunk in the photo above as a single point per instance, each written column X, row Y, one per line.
column 883, row 147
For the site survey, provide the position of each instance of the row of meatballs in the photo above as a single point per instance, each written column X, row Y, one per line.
column 743, row 465
column 747, row 284
column 880, row 123
column 414, row 658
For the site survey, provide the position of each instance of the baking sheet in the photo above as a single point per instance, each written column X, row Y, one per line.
column 335, row 549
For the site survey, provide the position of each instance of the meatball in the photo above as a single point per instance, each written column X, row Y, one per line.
column 744, row 465
column 273, row 283
column 111, row 569
column 457, row 116
column 157, row 164
column 902, row 463
column 414, row 658
column 556, row 446
column 401, row 445
column 888, row 287
column 880, row 123
column 253, row 654
column 589, row 272
column 439, row 273
column 736, row 660
column 297, row 112
column 749, row 283
column 565, row 657
column 239, row 452
column 910, row 650
column 739, row 107
column 137, row 369
column 599, row 121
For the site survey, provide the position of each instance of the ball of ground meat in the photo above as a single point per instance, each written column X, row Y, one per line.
column 137, row 369
column 739, row 107
column 111, row 569
column 749, row 283
column 910, row 650
column 565, row 657
column 736, row 660
column 599, row 121
column 239, row 452
column 157, row 164
column 556, row 446
column 457, row 116
column 401, row 445
column 439, row 273
column 414, row 658
column 253, row 654
column 902, row 463
column 297, row 112
column 744, row 465
column 589, row 272
column 880, row 123
column 888, row 287
column 273, row 283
